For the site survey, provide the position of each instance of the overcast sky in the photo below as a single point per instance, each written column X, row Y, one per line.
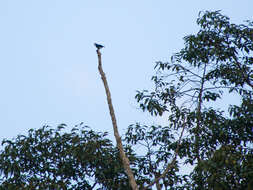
column 48, row 72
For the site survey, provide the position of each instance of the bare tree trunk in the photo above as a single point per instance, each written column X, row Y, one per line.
column 123, row 156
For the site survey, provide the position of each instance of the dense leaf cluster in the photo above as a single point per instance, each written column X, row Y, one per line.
column 216, row 141
column 215, row 62
column 53, row 159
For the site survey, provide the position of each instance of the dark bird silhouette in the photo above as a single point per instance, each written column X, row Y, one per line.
column 98, row 46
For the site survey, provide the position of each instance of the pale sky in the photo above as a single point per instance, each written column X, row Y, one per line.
column 48, row 61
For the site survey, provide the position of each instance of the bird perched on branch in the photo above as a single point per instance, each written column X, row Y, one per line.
column 98, row 46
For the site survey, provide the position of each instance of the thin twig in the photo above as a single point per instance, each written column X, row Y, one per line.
column 188, row 70
column 171, row 164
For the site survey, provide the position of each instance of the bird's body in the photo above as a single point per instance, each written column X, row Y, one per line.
column 98, row 46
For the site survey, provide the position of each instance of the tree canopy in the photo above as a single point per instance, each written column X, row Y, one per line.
column 214, row 140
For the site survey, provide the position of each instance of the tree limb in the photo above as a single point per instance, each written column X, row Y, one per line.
column 171, row 164
column 125, row 160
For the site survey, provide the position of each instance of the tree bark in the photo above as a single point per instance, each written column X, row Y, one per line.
column 124, row 158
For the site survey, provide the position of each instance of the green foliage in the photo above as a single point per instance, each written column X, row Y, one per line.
column 216, row 142
column 230, row 167
column 215, row 62
column 52, row 159
column 157, row 146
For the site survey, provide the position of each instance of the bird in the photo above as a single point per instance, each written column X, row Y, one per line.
column 98, row 46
